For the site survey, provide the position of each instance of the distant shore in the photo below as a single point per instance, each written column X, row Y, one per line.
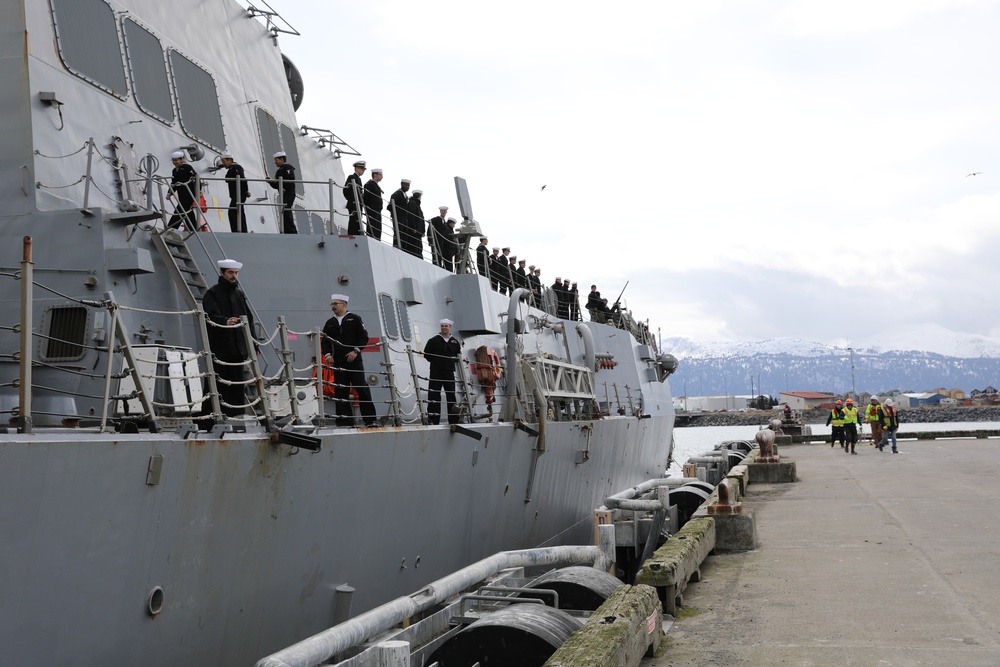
column 906, row 416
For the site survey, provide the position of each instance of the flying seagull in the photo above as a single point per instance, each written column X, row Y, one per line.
column 975, row 173
column 543, row 187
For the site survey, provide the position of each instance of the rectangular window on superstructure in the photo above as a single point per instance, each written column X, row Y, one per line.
column 87, row 39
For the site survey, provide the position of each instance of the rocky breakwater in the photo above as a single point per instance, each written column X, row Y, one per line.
column 906, row 416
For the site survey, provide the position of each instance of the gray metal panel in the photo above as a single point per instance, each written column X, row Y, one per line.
column 469, row 299
column 197, row 101
column 270, row 140
column 149, row 71
column 87, row 36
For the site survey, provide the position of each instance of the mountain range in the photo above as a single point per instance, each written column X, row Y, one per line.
column 916, row 358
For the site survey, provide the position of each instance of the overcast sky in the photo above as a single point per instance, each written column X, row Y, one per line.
column 755, row 169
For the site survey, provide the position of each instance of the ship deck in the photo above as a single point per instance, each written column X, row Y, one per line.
column 869, row 559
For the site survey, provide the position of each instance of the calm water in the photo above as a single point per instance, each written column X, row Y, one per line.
column 697, row 440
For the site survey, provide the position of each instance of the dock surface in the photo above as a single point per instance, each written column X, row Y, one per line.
column 875, row 559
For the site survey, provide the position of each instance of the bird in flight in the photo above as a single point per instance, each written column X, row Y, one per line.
column 975, row 173
column 543, row 187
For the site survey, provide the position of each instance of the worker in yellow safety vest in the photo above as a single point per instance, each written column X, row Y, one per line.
column 873, row 415
column 851, row 425
column 836, row 417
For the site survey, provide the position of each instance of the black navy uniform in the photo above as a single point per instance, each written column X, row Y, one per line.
column 435, row 235
column 399, row 204
column 184, row 181
column 222, row 301
column 483, row 260
column 353, row 185
column 339, row 339
column 286, row 172
column 237, row 215
column 373, row 208
column 442, row 355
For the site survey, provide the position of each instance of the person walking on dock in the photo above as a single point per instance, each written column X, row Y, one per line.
column 890, row 424
column 442, row 353
column 344, row 336
column 851, row 425
column 836, row 417
column 873, row 415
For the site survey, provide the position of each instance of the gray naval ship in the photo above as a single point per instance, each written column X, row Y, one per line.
column 141, row 524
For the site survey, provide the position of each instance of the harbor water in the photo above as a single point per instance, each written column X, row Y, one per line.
column 696, row 440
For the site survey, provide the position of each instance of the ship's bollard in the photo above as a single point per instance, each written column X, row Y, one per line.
column 768, row 450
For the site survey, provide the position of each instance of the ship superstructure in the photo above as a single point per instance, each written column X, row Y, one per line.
column 140, row 525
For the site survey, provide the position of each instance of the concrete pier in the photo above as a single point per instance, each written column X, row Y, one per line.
column 875, row 559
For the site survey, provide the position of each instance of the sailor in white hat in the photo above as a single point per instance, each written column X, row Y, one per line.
column 344, row 337
column 184, row 184
column 226, row 305
column 495, row 268
column 442, row 352
column 284, row 181
column 374, row 204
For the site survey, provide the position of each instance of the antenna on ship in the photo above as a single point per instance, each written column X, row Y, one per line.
column 470, row 227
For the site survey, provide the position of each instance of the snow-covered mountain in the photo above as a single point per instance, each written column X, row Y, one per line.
column 917, row 358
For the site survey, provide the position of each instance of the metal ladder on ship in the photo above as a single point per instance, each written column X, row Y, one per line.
column 180, row 262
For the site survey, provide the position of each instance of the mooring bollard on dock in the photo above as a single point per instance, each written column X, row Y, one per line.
column 767, row 466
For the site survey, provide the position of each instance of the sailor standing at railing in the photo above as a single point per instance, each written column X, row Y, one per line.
column 373, row 204
column 398, row 208
column 239, row 192
column 442, row 353
column 225, row 304
column 183, row 183
column 344, row 336
column 352, row 193
column 285, row 176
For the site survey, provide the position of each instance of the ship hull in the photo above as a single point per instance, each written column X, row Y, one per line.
column 248, row 540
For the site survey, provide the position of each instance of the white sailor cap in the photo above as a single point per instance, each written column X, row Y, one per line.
column 280, row 154
column 340, row 297
column 176, row 154
column 361, row 163
column 377, row 170
column 450, row 220
column 226, row 156
column 506, row 249
column 522, row 261
column 418, row 192
column 446, row 321
column 404, row 180
column 442, row 208
column 496, row 249
column 229, row 264
column 558, row 280
column 532, row 267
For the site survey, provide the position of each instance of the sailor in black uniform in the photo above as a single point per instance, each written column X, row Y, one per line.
column 344, row 336
column 520, row 275
column 483, row 257
column 286, row 173
column 414, row 226
column 449, row 248
column 353, row 188
column 535, row 282
column 442, row 352
column 435, row 235
column 374, row 204
column 398, row 206
column 239, row 192
column 184, row 184
column 225, row 304
column 495, row 269
column 503, row 264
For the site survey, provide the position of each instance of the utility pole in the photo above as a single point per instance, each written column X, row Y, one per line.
column 854, row 394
